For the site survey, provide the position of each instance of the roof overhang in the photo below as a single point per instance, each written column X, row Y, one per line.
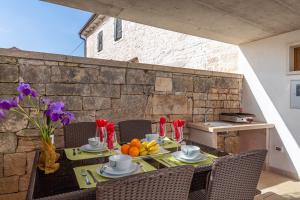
column 231, row 21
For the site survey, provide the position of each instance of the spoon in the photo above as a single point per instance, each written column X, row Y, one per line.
column 85, row 175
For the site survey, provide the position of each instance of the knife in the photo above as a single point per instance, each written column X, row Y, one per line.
column 91, row 174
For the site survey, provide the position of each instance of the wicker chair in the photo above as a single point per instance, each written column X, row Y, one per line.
column 164, row 184
column 77, row 134
column 134, row 129
column 233, row 177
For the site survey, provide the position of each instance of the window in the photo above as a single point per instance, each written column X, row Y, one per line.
column 117, row 29
column 294, row 59
column 100, row 41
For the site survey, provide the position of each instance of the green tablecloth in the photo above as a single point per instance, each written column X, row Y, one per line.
column 169, row 161
column 85, row 155
column 169, row 144
column 81, row 180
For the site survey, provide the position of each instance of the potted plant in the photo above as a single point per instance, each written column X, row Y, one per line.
column 48, row 116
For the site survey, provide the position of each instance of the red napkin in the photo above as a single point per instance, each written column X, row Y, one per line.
column 162, row 122
column 110, row 128
column 181, row 123
column 101, row 123
column 177, row 133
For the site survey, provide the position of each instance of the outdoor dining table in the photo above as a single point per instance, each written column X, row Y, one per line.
column 64, row 180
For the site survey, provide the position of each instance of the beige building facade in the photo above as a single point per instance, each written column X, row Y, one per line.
column 156, row 46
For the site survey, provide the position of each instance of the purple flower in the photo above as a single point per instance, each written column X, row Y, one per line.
column 46, row 101
column 2, row 114
column 67, row 118
column 8, row 104
column 25, row 90
column 55, row 110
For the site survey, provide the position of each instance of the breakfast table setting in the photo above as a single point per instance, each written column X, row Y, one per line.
column 102, row 158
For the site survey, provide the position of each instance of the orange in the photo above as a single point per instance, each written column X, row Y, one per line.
column 135, row 142
column 125, row 148
column 134, row 151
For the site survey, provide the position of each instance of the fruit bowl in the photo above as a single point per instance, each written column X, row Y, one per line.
column 136, row 148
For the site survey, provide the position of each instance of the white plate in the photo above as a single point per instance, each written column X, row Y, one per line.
column 196, row 157
column 110, row 170
column 177, row 155
column 106, row 175
column 89, row 148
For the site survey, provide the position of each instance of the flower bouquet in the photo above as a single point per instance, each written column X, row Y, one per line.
column 48, row 118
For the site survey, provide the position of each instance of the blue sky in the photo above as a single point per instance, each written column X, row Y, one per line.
column 39, row 26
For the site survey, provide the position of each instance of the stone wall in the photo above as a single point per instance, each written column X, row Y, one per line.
column 94, row 88
column 159, row 46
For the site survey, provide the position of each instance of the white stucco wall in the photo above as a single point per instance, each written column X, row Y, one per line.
column 158, row 46
column 267, row 94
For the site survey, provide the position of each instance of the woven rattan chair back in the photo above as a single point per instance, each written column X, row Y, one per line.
column 164, row 184
column 236, row 177
column 134, row 129
column 77, row 134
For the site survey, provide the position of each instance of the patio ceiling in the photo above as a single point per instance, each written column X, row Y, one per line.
column 231, row 21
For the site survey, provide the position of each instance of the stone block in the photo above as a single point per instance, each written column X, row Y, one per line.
column 104, row 90
column 214, row 104
column 224, row 82
column 35, row 74
column 201, row 84
column 199, row 96
column 132, row 89
column 148, row 90
column 13, row 122
column 231, row 104
column 198, row 118
column 96, row 103
column 27, row 144
column 51, row 63
column 8, row 88
column 163, row 84
column 31, row 62
column 187, row 118
column 68, row 89
column 199, row 103
column 14, row 164
column 84, row 116
column 8, row 60
column 223, row 91
column 212, row 96
column 164, row 74
column 24, row 182
column 199, row 111
column 14, row 196
column 233, row 97
column 137, row 76
column 29, row 161
column 8, row 142
column 74, row 74
column 68, row 64
column 9, row 73
column 125, row 108
column 28, row 133
column 222, row 96
column 111, row 75
column 40, row 88
column 1, row 164
column 9, row 185
column 170, row 104
column 71, row 102
column 182, row 83
column 233, row 91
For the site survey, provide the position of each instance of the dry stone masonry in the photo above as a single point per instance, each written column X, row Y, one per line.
column 93, row 88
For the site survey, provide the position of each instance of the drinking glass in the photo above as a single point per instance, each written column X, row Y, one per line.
column 180, row 138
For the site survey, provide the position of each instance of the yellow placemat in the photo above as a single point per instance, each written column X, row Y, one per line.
column 85, row 155
column 169, row 161
column 81, row 180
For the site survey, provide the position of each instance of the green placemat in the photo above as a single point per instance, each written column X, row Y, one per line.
column 81, row 180
column 169, row 161
column 85, row 155
column 169, row 144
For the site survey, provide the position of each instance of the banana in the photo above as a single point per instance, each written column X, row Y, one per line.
column 153, row 152
column 155, row 147
column 143, row 153
column 152, row 143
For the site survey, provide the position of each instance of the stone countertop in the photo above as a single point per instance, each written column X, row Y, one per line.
column 228, row 126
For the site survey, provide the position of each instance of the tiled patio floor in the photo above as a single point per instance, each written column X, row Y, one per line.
column 276, row 187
